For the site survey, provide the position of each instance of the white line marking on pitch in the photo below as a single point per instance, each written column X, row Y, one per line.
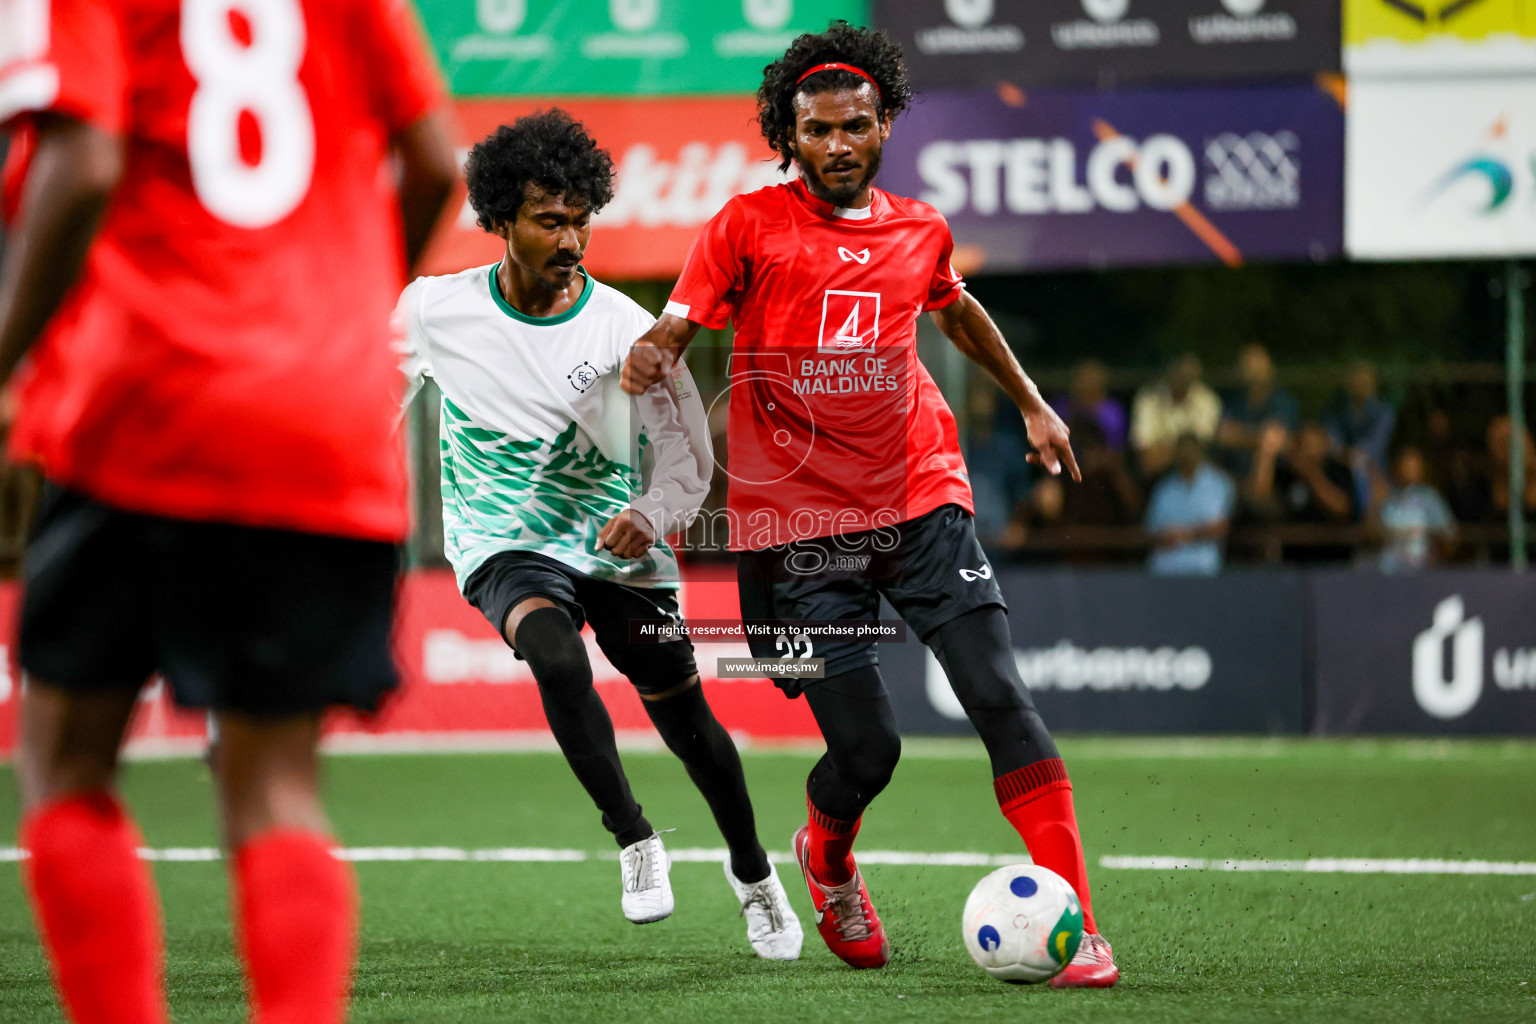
column 701, row 855
column 1327, row 865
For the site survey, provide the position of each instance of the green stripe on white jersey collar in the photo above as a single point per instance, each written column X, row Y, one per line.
column 539, row 321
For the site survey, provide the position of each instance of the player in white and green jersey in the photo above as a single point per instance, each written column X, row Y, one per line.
column 557, row 488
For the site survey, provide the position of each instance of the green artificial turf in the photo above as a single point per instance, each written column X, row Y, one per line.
column 480, row 942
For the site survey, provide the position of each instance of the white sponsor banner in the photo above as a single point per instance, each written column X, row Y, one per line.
column 1440, row 169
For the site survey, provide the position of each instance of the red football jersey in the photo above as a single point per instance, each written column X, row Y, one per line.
column 835, row 425
column 225, row 353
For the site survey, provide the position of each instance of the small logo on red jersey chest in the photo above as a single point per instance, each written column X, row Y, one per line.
column 861, row 257
column 850, row 321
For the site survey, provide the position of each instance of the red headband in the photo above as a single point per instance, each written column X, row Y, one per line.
column 842, row 67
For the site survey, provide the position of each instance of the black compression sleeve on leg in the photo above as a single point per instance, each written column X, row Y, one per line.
column 692, row 732
column 863, row 746
column 977, row 655
column 548, row 640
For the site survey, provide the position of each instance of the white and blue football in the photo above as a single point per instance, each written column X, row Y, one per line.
column 1023, row 923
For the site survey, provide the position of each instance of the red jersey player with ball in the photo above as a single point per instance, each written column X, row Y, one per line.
column 847, row 482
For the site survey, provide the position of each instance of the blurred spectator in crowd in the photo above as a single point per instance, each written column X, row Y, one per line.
column 1361, row 423
column 1108, row 495
column 1042, row 510
column 1188, row 515
column 1180, row 403
column 1089, row 399
column 1414, row 522
column 995, row 455
column 1246, row 411
column 1497, row 485
column 1301, row 480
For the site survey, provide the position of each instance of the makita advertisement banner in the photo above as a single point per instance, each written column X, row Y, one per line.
column 1442, row 652
column 1123, row 651
column 1109, row 43
column 1082, row 179
column 677, row 161
column 618, row 47
column 1441, row 169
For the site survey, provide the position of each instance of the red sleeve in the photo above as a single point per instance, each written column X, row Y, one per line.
column 64, row 57
column 404, row 81
column 945, row 286
column 713, row 273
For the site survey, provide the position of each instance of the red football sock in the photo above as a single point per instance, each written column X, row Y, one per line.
column 296, row 926
column 96, row 911
column 1037, row 801
column 831, row 845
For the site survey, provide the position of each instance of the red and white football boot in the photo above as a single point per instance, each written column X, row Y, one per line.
column 844, row 916
column 1092, row 966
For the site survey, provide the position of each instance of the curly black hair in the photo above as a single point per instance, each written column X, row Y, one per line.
column 871, row 51
column 549, row 149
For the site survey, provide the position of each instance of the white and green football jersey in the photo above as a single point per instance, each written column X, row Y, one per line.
column 540, row 446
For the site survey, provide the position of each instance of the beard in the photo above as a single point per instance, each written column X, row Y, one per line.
column 844, row 194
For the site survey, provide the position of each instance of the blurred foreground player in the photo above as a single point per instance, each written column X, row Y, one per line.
column 847, row 481
column 558, row 489
column 205, row 253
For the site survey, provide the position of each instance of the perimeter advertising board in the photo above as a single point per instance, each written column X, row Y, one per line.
column 1108, row 43
column 677, row 161
column 1439, row 38
column 462, row 686
column 618, row 47
column 1441, row 169
column 1123, row 651
column 1442, row 652
column 1049, row 179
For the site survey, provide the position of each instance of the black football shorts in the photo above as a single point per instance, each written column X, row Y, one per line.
column 510, row 577
column 268, row 622
column 931, row 569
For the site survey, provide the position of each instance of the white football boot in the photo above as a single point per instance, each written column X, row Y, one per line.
column 772, row 927
column 643, row 869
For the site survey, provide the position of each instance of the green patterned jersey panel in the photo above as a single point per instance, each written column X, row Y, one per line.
column 545, row 496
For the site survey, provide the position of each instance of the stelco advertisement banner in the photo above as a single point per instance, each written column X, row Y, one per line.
column 1049, row 179
column 677, row 161
column 1108, row 43
column 618, row 47
column 1429, row 38
column 1120, row 651
column 1441, row 169
column 1443, row 652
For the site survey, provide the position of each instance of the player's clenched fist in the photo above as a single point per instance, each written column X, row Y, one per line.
column 628, row 534
column 646, row 365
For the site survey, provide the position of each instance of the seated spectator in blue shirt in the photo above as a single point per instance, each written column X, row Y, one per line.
column 996, row 454
column 1415, row 520
column 1361, row 424
column 1090, row 399
column 1247, row 411
column 1189, row 514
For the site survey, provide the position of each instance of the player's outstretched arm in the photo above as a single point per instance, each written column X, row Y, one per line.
column 427, row 176
column 70, row 180
column 655, row 352
column 967, row 324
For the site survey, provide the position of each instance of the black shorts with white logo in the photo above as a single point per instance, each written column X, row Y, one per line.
column 268, row 622
column 931, row 569
column 510, row 577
